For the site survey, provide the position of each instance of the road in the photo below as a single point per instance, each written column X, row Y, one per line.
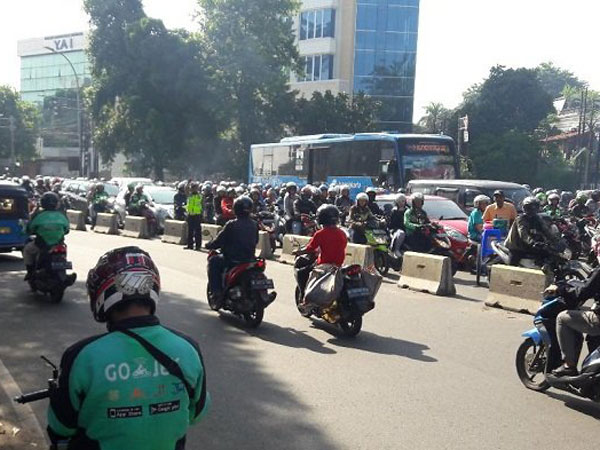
column 426, row 372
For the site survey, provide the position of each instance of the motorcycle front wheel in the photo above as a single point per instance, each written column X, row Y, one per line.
column 531, row 362
column 351, row 327
column 381, row 262
column 298, row 296
column 211, row 300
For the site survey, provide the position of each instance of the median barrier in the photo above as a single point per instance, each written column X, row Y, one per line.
column 76, row 220
column 136, row 227
column 176, row 232
column 209, row 232
column 360, row 254
column 106, row 224
column 516, row 288
column 264, row 245
column 428, row 273
column 291, row 243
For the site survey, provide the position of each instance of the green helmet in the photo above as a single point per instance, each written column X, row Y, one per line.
column 541, row 196
column 581, row 198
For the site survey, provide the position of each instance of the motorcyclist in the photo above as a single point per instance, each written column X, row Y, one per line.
column 98, row 202
column 332, row 194
column 64, row 204
column 415, row 218
column 500, row 209
column 302, row 205
column 475, row 224
column 565, row 200
column 220, row 193
column 542, row 198
column 179, row 201
column 114, row 392
column 257, row 204
column 344, row 203
column 139, row 205
column 49, row 226
column 361, row 218
column 592, row 203
column 129, row 194
column 529, row 235
column 209, row 208
column 48, row 184
column 322, row 197
column 578, row 206
column 40, row 188
column 396, row 224
column 237, row 240
column 271, row 200
column 373, row 206
column 573, row 323
column 227, row 212
column 26, row 184
column 553, row 208
column 291, row 195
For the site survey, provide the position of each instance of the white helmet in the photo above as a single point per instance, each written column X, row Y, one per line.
column 362, row 196
column 481, row 198
column 418, row 196
column 400, row 200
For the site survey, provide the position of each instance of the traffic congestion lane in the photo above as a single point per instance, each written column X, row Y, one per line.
column 426, row 372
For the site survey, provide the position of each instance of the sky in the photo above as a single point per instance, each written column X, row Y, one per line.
column 459, row 40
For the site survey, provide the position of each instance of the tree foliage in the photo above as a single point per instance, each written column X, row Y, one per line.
column 436, row 119
column 554, row 79
column 26, row 123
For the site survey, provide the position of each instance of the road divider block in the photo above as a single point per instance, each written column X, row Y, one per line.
column 76, row 220
column 209, row 232
column 136, row 227
column 291, row 243
column 106, row 224
column 427, row 273
column 516, row 288
column 360, row 254
column 176, row 232
column 264, row 245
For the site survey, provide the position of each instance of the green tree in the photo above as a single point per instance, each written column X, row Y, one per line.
column 436, row 119
column 252, row 51
column 326, row 113
column 26, row 125
column 554, row 79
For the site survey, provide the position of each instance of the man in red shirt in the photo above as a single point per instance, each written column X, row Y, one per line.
column 227, row 205
column 330, row 240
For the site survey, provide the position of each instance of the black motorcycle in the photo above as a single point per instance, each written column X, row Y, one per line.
column 347, row 311
column 49, row 274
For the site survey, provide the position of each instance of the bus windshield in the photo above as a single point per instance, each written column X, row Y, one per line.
column 428, row 160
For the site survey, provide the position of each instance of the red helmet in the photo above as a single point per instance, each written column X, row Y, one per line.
column 122, row 274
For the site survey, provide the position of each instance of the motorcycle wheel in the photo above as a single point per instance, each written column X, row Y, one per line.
column 381, row 263
column 525, row 355
column 253, row 319
column 298, row 296
column 56, row 295
column 32, row 286
column 211, row 301
column 352, row 326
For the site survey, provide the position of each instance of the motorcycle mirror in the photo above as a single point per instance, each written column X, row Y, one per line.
column 49, row 363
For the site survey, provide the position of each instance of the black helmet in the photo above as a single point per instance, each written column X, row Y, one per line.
column 328, row 215
column 49, row 201
column 531, row 205
column 242, row 206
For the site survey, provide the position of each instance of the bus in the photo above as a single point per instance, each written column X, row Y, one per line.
column 356, row 160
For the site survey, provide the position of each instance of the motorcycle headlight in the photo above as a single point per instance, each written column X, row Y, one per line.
column 455, row 235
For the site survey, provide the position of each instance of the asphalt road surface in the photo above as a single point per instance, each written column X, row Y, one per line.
column 425, row 373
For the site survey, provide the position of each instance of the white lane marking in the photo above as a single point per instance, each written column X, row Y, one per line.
column 27, row 419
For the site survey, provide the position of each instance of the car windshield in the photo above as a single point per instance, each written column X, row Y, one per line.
column 161, row 196
column 111, row 189
column 440, row 209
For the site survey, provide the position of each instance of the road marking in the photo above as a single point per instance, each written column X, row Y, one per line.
column 27, row 419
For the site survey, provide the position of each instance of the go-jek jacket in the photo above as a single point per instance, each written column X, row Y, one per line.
column 50, row 226
column 113, row 395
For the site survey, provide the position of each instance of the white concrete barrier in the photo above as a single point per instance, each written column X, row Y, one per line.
column 428, row 273
column 106, row 224
column 291, row 243
column 136, row 227
column 209, row 232
column 76, row 220
column 516, row 288
column 360, row 254
column 263, row 247
column 176, row 232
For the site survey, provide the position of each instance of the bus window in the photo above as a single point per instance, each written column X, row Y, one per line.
column 284, row 160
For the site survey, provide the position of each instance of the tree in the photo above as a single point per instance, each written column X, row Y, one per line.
column 26, row 125
column 252, row 51
column 326, row 113
column 554, row 79
column 436, row 118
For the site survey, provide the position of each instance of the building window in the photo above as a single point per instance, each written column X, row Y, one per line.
column 317, row 67
column 317, row 23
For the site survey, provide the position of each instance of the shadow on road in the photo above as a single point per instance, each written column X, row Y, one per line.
column 11, row 263
column 581, row 405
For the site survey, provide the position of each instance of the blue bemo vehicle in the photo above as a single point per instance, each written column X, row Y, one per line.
column 357, row 160
column 14, row 214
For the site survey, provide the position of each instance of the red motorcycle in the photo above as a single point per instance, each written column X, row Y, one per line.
column 309, row 225
column 246, row 291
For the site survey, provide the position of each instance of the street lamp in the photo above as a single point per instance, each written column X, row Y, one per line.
column 82, row 159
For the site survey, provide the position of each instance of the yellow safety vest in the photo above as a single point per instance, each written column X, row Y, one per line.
column 194, row 205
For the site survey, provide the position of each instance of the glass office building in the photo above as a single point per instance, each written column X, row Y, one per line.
column 365, row 46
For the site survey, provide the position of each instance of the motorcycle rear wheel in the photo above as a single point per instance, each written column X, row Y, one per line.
column 253, row 319
column 352, row 326
column 525, row 354
column 56, row 295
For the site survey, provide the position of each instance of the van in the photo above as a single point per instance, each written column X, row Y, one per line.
column 463, row 192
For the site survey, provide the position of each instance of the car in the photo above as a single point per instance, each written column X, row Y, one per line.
column 162, row 203
column 77, row 192
column 444, row 212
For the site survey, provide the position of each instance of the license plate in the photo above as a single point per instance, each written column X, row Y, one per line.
column 358, row 292
column 62, row 265
column 5, row 230
column 262, row 284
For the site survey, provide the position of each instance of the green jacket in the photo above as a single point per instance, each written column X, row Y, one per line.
column 138, row 199
column 195, row 203
column 413, row 218
column 50, row 226
column 99, row 197
column 113, row 395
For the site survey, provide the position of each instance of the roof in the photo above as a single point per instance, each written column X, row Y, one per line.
column 8, row 187
column 392, row 197
column 565, row 136
column 332, row 137
column 490, row 184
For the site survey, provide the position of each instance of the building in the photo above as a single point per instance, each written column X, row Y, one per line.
column 361, row 45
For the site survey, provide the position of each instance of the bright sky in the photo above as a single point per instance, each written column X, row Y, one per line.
column 459, row 40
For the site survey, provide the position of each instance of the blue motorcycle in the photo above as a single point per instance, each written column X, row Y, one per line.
column 539, row 355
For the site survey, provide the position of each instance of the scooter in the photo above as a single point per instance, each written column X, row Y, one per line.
column 49, row 274
column 539, row 355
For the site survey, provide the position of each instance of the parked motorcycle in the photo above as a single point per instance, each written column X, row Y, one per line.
column 49, row 274
column 347, row 311
column 246, row 291
column 539, row 355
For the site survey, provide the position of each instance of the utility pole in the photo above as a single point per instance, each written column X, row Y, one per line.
column 12, row 127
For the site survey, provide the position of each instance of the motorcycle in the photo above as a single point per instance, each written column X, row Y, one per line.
column 246, row 291
column 347, row 311
column 42, row 393
column 539, row 354
column 49, row 274
column 267, row 222
column 440, row 243
column 309, row 225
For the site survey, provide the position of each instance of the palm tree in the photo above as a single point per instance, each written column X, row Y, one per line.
column 435, row 119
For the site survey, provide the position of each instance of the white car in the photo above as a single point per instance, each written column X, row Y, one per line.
column 161, row 203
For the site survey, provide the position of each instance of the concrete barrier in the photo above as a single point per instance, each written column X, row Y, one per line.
column 516, row 289
column 428, row 273
column 176, row 232
column 106, row 224
column 291, row 243
column 76, row 220
column 136, row 227
column 360, row 254
column 209, row 232
column 263, row 247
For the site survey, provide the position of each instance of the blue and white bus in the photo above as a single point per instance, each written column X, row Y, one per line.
column 357, row 160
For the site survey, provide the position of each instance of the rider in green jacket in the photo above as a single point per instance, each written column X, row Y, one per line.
column 139, row 386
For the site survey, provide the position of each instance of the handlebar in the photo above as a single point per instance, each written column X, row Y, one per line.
column 33, row 396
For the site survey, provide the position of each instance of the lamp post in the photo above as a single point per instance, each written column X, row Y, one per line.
column 81, row 157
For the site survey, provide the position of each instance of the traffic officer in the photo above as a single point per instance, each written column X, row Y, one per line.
column 195, row 203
